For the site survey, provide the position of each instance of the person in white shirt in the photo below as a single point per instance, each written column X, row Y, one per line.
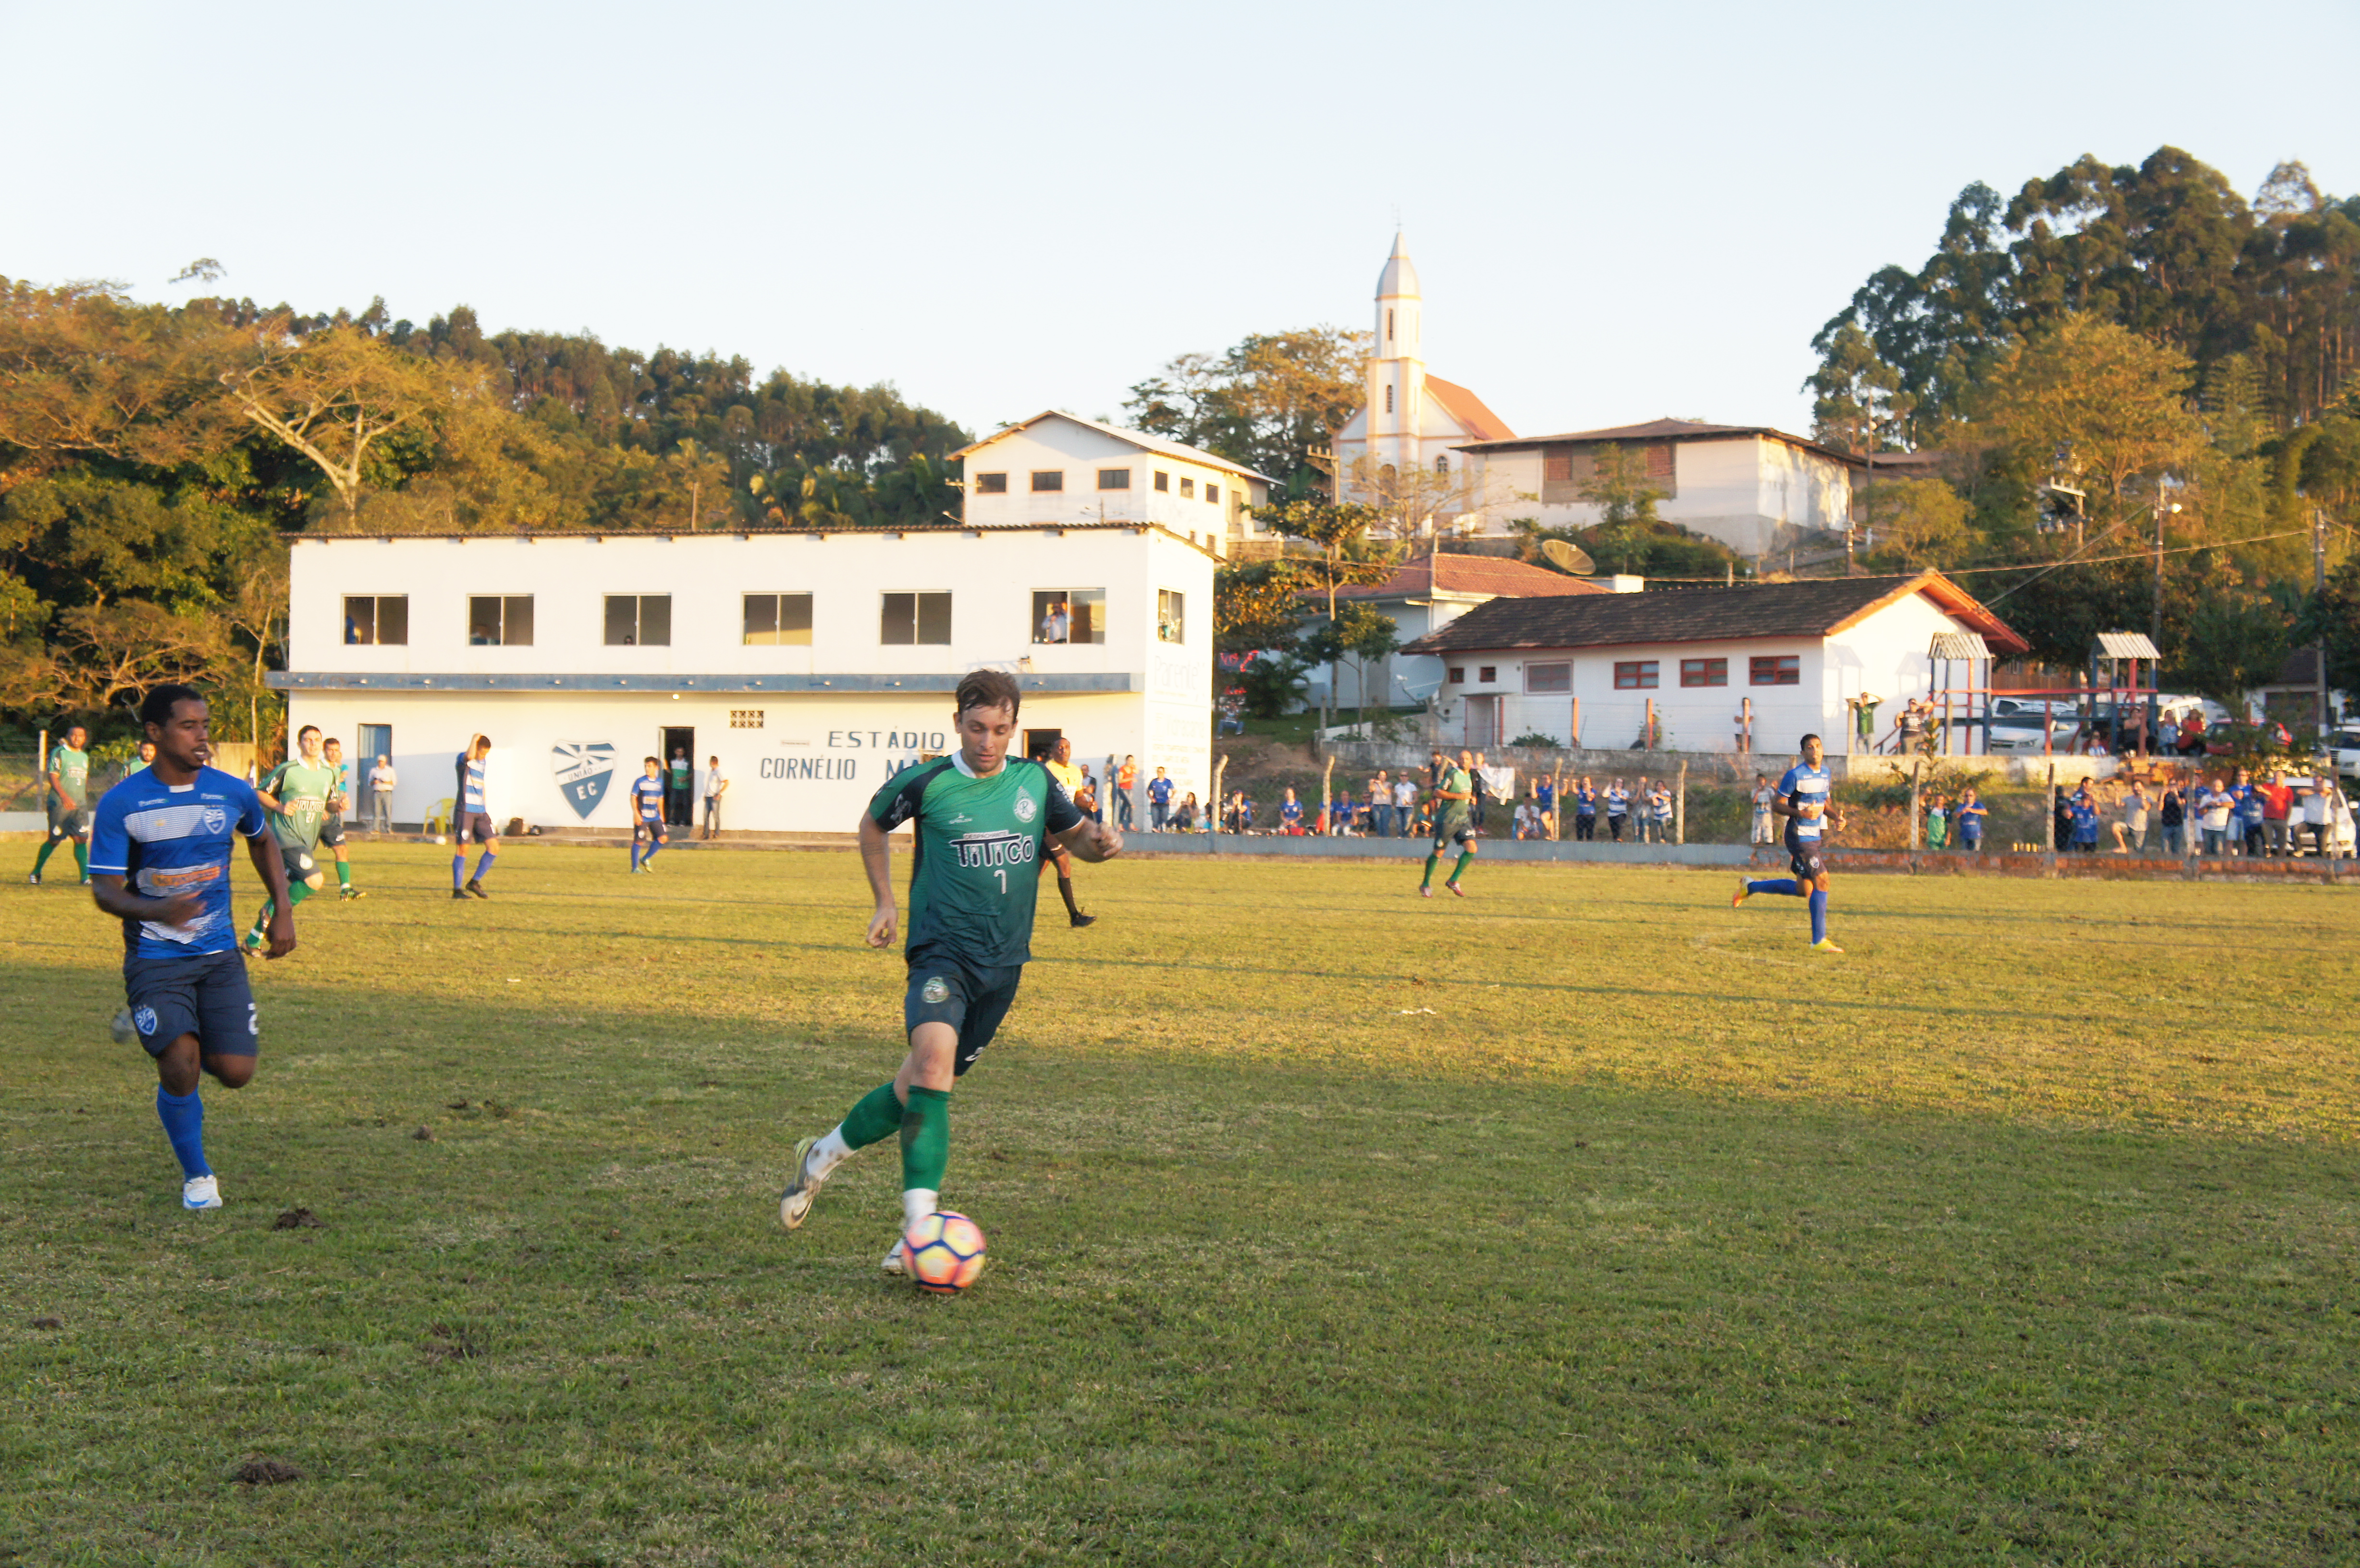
column 2213, row 806
column 2316, row 802
column 381, row 782
column 1404, row 805
column 1764, row 833
column 2130, row 833
column 716, row 784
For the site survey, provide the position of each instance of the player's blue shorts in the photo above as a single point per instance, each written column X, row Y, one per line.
column 476, row 826
column 971, row 999
column 649, row 829
column 1803, row 854
column 206, row 995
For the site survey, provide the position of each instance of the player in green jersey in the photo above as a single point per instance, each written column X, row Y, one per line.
column 1454, row 795
column 296, row 795
column 982, row 821
column 332, row 824
column 68, row 797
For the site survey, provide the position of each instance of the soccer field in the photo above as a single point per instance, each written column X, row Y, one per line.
column 1589, row 1220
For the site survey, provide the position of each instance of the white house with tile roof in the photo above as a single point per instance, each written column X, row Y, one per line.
column 1061, row 468
column 1759, row 491
column 1425, row 593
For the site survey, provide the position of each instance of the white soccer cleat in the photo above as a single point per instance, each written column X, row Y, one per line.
column 201, row 1192
column 794, row 1204
column 896, row 1264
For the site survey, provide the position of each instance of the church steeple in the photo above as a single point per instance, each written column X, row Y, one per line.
column 1396, row 375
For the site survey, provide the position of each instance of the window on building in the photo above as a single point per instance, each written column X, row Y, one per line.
column 1069, row 614
column 1442, row 464
column 1776, row 670
column 1114, row 478
column 1704, row 672
column 1048, row 479
column 1162, row 480
column 1459, row 675
column 1212, row 492
column 1487, row 675
column 991, row 485
column 1546, row 678
column 372, row 618
column 775, row 620
column 1389, row 334
column 1389, row 399
column 1171, row 615
column 638, row 620
column 916, row 618
column 745, row 718
column 499, row 621
column 1638, row 675
column 1660, row 463
column 1188, row 488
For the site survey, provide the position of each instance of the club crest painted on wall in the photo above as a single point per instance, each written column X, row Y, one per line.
column 584, row 770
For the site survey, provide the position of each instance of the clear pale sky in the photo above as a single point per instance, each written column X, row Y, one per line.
column 1620, row 211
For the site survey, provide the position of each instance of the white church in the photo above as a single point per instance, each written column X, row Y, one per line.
column 1757, row 489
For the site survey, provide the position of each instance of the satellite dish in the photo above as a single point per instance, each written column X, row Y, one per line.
column 1568, row 558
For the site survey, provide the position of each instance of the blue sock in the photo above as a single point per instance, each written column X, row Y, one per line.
column 647, row 857
column 184, row 1117
column 483, row 863
column 458, row 869
column 635, row 855
column 1818, row 917
column 1776, row 885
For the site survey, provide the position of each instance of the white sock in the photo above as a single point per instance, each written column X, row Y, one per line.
column 830, row 1151
column 917, row 1202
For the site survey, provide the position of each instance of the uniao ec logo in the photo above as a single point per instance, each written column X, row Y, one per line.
column 215, row 818
column 584, row 770
column 1025, row 807
column 145, row 1020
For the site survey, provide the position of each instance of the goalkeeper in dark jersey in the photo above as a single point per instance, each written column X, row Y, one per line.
column 983, row 821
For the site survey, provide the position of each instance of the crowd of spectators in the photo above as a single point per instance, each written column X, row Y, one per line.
column 2228, row 816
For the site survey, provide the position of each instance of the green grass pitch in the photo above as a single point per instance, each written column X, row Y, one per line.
column 1586, row 1221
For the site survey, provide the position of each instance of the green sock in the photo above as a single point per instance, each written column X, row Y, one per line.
column 42, row 859
column 1466, row 858
column 878, row 1115
column 1431, row 862
column 343, row 873
column 82, row 858
column 925, row 1138
column 262, row 919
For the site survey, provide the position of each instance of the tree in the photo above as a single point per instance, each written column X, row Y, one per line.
column 2235, row 643
column 86, row 374
column 1257, row 605
column 2331, row 619
column 335, row 397
column 1267, row 403
column 1358, row 632
column 1917, row 522
column 2102, row 400
column 127, row 649
column 1857, row 400
column 1340, row 529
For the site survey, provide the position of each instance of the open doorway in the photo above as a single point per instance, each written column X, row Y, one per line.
column 678, row 750
column 1039, row 745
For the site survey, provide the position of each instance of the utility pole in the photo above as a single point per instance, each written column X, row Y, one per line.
column 2319, row 588
column 2163, row 509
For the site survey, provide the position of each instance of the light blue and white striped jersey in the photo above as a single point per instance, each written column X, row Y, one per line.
column 471, row 783
column 166, row 839
column 1800, row 786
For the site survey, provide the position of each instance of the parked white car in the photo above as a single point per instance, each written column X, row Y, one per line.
column 2345, row 745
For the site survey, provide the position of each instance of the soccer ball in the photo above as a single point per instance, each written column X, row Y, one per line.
column 943, row 1253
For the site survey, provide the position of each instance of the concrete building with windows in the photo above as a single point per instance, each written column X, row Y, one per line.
column 1062, row 468
column 1784, row 657
column 814, row 664
column 1758, row 490
column 1424, row 594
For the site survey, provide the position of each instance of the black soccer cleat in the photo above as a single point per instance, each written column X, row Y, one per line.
column 1081, row 921
column 476, row 888
column 459, row 895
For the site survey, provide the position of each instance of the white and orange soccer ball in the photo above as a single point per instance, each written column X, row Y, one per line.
column 943, row 1252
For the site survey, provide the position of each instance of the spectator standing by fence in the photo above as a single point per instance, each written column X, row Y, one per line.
column 2252, row 810
column 1159, row 802
column 1483, row 796
column 1662, row 801
column 1585, row 812
column 2130, row 832
column 1764, row 832
column 2084, row 811
column 2316, row 808
column 381, row 780
column 1544, row 802
column 2277, row 812
column 1380, row 807
column 1618, row 810
column 2171, row 816
column 1404, row 805
column 1970, row 814
column 2215, row 806
column 1126, row 780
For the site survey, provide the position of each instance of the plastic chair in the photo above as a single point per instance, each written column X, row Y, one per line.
column 438, row 821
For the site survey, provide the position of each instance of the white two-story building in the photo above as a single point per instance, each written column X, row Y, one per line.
column 1058, row 467
column 812, row 663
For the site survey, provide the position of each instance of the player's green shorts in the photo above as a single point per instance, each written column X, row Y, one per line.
column 69, row 824
column 971, row 999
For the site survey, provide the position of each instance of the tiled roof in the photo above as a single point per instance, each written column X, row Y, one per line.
column 1495, row 575
column 1140, row 438
column 1811, row 608
column 1663, row 431
column 1463, row 406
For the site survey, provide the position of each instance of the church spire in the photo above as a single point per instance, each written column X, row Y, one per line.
column 1398, row 304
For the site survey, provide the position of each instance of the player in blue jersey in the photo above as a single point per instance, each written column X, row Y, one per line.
column 160, row 861
column 471, row 817
column 1806, row 796
column 648, row 816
